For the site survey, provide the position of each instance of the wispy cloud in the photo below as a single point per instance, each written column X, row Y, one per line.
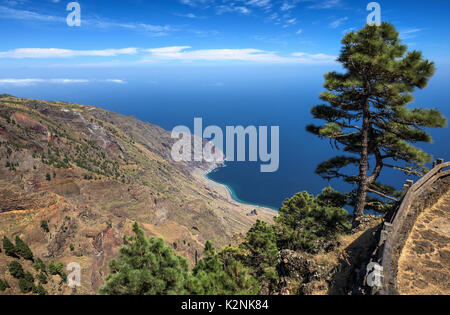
column 287, row 6
column 99, row 23
column 410, row 33
column 221, row 9
column 11, row 13
column 325, row 4
column 116, row 81
column 179, row 53
column 276, row 11
column 21, row 53
column 338, row 22
column 230, row 5
column 183, row 53
column 189, row 15
column 34, row 81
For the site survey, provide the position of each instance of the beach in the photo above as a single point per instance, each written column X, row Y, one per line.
column 225, row 192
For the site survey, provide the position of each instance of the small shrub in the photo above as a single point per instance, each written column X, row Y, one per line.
column 26, row 284
column 42, row 278
column 39, row 265
column 57, row 269
column 4, row 285
column 23, row 250
column 16, row 270
column 8, row 246
column 40, row 290
column 44, row 226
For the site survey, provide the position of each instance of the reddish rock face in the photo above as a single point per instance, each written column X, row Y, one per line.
column 28, row 122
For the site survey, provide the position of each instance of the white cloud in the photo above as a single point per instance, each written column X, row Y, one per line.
column 409, row 33
column 325, row 4
column 183, row 53
column 232, row 8
column 287, row 6
column 10, row 13
column 266, row 4
column 116, row 81
column 16, row 14
column 64, row 53
column 34, row 81
column 292, row 21
column 172, row 53
column 244, row 7
column 314, row 56
column 21, row 82
column 67, row 81
column 189, row 15
column 338, row 22
column 180, row 53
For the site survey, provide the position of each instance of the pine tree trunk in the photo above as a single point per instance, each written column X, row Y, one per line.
column 363, row 162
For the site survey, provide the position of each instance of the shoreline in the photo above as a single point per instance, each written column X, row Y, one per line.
column 229, row 192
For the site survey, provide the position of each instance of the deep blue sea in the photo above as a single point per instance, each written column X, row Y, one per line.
column 275, row 95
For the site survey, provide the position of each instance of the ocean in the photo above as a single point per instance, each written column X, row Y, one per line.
column 232, row 95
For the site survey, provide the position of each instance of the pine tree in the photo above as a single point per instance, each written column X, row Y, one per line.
column 39, row 290
column 367, row 114
column 8, row 246
column 26, row 284
column 39, row 265
column 16, row 270
column 261, row 254
column 221, row 275
column 4, row 285
column 57, row 269
column 146, row 267
column 42, row 278
column 308, row 223
column 23, row 250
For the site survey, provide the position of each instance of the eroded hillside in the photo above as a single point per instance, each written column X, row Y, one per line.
column 89, row 173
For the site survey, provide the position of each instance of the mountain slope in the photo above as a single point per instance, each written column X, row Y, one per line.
column 89, row 173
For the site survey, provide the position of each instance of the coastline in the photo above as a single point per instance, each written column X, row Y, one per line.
column 229, row 193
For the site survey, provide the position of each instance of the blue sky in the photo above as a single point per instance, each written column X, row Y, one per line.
column 117, row 33
column 232, row 62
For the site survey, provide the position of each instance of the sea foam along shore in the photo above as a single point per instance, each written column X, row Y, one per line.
column 229, row 192
column 222, row 193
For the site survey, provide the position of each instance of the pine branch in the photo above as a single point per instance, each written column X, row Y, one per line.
column 406, row 170
column 381, row 194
